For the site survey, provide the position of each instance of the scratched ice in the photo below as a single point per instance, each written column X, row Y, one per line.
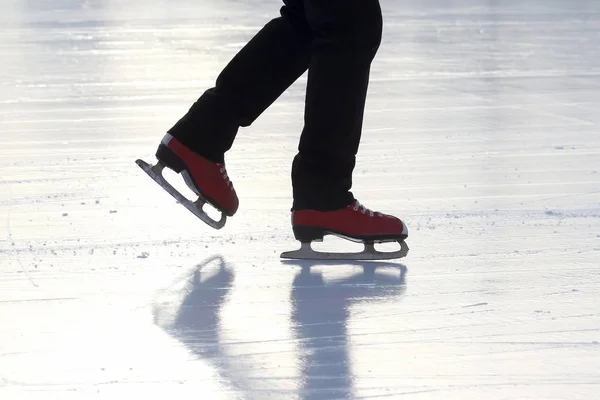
column 481, row 131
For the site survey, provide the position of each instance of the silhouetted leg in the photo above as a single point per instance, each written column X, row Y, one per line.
column 346, row 37
column 259, row 73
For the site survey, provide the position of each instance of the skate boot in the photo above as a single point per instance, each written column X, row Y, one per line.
column 354, row 222
column 205, row 178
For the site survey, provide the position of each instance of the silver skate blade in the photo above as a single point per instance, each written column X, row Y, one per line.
column 368, row 254
column 155, row 172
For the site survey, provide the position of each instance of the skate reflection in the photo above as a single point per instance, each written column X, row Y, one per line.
column 189, row 308
column 320, row 317
column 190, row 311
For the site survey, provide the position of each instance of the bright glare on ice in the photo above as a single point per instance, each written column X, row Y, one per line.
column 481, row 132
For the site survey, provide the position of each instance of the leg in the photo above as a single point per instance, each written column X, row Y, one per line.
column 252, row 81
column 347, row 34
column 249, row 84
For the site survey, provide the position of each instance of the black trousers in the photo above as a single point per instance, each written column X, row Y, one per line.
column 336, row 41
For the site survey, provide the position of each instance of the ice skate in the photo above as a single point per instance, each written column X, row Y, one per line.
column 206, row 179
column 355, row 223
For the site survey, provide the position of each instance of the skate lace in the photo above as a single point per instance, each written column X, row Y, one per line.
column 365, row 210
column 223, row 170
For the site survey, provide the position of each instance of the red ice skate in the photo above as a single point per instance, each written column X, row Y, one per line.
column 205, row 178
column 354, row 222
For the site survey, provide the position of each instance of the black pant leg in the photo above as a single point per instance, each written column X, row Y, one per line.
column 346, row 37
column 258, row 74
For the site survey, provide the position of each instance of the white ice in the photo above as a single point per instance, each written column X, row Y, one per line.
column 481, row 132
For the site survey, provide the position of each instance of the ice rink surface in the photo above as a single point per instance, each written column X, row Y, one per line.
column 481, row 132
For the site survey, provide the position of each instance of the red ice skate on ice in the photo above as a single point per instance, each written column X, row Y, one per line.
column 205, row 178
column 354, row 222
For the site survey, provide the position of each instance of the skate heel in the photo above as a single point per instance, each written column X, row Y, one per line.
column 169, row 158
column 307, row 234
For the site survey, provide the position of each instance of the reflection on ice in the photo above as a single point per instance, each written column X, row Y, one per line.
column 481, row 132
column 190, row 310
column 321, row 309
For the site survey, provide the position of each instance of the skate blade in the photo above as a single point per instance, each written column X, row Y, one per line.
column 155, row 172
column 368, row 254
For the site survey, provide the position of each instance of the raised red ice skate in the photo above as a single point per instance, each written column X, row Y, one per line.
column 354, row 222
column 205, row 178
